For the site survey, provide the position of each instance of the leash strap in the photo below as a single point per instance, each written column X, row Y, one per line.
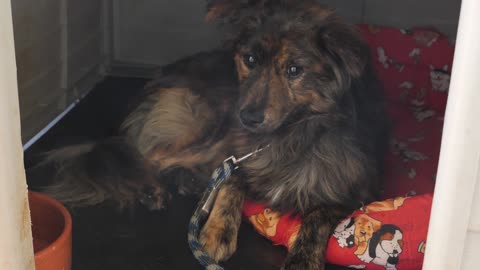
column 219, row 176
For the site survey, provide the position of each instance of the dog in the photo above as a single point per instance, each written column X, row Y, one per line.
column 266, row 222
column 365, row 227
column 386, row 205
column 440, row 78
column 386, row 246
column 292, row 76
column 344, row 233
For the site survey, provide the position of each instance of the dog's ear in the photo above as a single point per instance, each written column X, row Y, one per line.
column 376, row 224
column 233, row 10
column 386, row 236
column 343, row 46
column 217, row 9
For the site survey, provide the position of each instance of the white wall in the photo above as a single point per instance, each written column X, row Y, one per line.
column 157, row 32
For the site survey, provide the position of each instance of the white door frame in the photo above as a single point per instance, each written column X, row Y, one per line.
column 16, row 247
column 455, row 220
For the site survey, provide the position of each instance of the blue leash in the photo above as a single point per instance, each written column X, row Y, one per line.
column 221, row 174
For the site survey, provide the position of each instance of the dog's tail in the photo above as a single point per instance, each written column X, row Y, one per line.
column 110, row 170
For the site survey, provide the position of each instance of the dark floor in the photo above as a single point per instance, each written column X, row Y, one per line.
column 139, row 240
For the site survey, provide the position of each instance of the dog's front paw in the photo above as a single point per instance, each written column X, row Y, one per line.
column 219, row 240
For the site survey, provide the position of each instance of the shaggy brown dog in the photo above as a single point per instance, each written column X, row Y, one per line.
column 293, row 76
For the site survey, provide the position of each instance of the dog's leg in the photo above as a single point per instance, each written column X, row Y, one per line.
column 219, row 234
column 308, row 251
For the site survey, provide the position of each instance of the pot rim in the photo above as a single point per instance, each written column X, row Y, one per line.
column 67, row 229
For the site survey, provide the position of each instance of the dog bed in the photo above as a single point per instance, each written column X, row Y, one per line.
column 414, row 66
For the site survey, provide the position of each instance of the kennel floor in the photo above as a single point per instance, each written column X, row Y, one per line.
column 106, row 239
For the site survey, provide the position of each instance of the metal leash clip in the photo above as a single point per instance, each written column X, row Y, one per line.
column 220, row 176
column 236, row 161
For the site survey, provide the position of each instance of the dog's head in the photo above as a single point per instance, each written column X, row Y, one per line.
column 294, row 59
column 392, row 243
column 390, row 239
column 365, row 226
column 266, row 222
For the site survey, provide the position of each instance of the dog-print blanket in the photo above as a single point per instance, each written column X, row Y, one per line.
column 388, row 234
column 414, row 67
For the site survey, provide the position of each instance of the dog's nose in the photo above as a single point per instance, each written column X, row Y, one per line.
column 363, row 232
column 395, row 251
column 251, row 116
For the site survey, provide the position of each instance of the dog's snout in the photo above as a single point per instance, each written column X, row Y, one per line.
column 363, row 232
column 252, row 116
column 395, row 251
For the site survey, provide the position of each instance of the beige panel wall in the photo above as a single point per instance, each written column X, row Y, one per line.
column 442, row 14
column 58, row 48
column 157, row 32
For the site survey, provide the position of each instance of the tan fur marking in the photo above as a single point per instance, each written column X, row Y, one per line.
column 175, row 119
column 242, row 70
column 189, row 158
column 319, row 11
column 215, row 12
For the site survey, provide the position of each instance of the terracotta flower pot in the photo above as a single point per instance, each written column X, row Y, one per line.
column 52, row 233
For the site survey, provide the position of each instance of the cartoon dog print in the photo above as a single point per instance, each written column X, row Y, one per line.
column 422, row 247
column 266, row 222
column 344, row 233
column 405, row 88
column 402, row 149
column 419, row 100
column 423, row 114
column 357, row 266
column 440, row 78
column 415, row 55
column 383, row 58
column 387, row 205
column 426, row 37
column 406, row 85
column 365, row 226
column 387, row 61
column 385, row 246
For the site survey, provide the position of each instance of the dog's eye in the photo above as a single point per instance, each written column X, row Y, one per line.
column 250, row 61
column 294, row 71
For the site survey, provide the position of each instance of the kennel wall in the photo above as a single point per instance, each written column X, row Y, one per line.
column 64, row 47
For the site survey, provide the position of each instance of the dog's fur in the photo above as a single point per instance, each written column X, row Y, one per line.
column 323, row 121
